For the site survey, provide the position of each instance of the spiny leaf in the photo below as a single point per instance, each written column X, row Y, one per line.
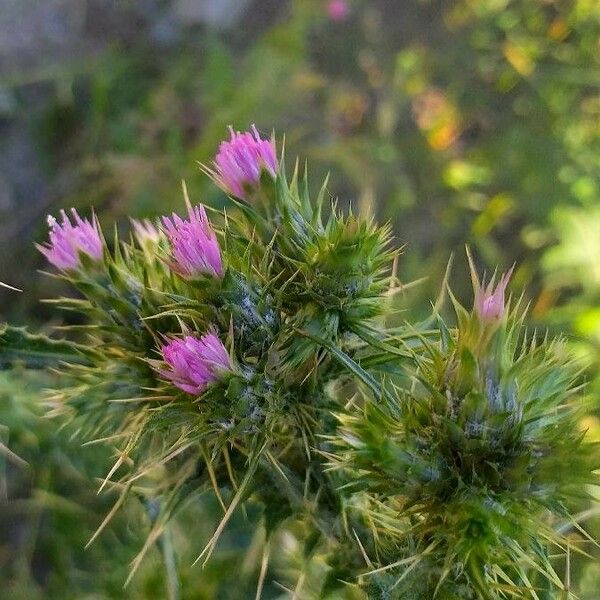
column 364, row 334
column 37, row 351
column 346, row 361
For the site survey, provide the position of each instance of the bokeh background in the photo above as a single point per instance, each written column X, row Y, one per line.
column 461, row 122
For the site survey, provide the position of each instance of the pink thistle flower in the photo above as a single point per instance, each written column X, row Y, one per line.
column 489, row 300
column 69, row 239
column 240, row 161
column 194, row 245
column 193, row 363
column 338, row 10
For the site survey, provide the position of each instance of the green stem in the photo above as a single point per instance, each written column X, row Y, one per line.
column 167, row 550
column 170, row 564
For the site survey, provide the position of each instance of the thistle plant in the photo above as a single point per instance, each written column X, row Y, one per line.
column 249, row 353
column 465, row 474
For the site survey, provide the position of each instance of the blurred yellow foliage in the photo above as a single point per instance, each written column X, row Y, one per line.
column 497, row 208
column 518, row 58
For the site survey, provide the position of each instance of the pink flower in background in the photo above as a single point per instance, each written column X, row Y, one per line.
column 194, row 245
column 70, row 238
column 338, row 10
column 240, row 161
column 489, row 300
column 193, row 363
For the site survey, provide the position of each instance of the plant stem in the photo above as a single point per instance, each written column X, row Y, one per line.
column 170, row 564
column 167, row 550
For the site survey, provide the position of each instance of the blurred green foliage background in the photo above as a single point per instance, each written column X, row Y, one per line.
column 462, row 122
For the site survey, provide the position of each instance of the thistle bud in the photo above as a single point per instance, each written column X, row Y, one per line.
column 69, row 239
column 240, row 161
column 194, row 245
column 145, row 232
column 193, row 363
column 479, row 450
column 489, row 300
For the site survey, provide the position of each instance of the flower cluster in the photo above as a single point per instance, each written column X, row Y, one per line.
column 190, row 363
column 437, row 453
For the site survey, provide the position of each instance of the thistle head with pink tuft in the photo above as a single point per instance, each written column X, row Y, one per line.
column 194, row 246
column 70, row 239
column 241, row 160
column 193, row 363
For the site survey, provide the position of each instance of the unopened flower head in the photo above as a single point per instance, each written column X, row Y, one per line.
column 71, row 238
column 145, row 231
column 489, row 299
column 193, row 363
column 240, row 161
column 338, row 10
column 194, row 245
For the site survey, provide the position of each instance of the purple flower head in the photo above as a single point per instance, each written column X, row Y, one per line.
column 489, row 300
column 70, row 238
column 193, row 363
column 194, row 245
column 240, row 161
column 338, row 10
